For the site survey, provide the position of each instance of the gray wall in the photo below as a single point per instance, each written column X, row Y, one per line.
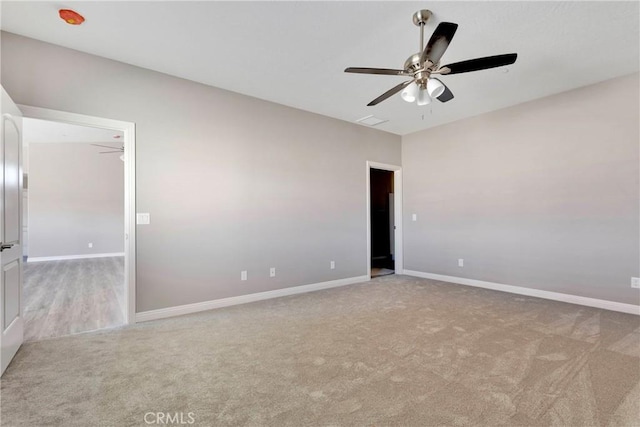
column 543, row 195
column 76, row 196
column 232, row 182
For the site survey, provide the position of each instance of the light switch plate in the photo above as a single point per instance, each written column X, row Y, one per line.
column 460, row 262
column 143, row 218
column 332, row 265
column 272, row 272
column 414, row 217
column 243, row 275
column 635, row 282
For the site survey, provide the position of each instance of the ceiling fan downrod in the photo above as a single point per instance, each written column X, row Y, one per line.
column 420, row 19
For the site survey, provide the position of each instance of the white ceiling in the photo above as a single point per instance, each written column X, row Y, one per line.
column 39, row 131
column 294, row 53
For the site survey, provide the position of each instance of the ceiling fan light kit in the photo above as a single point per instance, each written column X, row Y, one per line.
column 423, row 98
column 410, row 93
column 435, row 88
column 422, row 65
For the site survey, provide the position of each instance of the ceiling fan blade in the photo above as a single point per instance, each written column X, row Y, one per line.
column 105, row 146
column 383, row 71
column 438, row 43
column 478, row 64
column 447, row 95
column 390, row 92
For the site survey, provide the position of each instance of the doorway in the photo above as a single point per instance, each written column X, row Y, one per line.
column 79, row 222
column 382, row 222
column 384, row 219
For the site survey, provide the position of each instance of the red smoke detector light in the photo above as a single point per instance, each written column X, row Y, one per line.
column 71, row 17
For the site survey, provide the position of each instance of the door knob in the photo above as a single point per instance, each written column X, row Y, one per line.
column 3, row 247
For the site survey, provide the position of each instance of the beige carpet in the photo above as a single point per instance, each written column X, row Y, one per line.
column 395, row 351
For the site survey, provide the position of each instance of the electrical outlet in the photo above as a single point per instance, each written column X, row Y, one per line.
column 332, row 265
column 243, row 275
column 90, row 245
column 460, row 262
column 635, row 282
column 272, row 272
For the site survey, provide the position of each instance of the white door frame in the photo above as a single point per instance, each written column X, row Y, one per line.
column 397, row 213
column 129, row 130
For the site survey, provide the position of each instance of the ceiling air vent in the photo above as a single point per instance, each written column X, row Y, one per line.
column 371, row 121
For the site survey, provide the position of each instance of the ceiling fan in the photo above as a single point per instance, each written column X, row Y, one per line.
column 119, row 150
column 422, row 65
column 116, row 149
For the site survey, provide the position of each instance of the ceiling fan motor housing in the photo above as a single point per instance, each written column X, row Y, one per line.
column 412, row 64
column 421, row 74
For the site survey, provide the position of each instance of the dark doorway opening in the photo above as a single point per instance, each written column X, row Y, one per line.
column 382, row 223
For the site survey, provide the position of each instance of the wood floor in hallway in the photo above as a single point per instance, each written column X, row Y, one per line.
column 71, row 296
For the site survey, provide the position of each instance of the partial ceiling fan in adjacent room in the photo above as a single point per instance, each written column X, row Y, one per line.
column 115, row 150
column 422, row 65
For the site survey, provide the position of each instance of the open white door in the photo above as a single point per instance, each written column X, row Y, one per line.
column 11, row 321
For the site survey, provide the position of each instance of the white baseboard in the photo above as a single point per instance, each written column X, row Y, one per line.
column 243, row 299
column 556, row 296
column 64, row 257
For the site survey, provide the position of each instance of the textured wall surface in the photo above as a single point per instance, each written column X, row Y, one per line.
column 543, row 195
column 231, row 182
